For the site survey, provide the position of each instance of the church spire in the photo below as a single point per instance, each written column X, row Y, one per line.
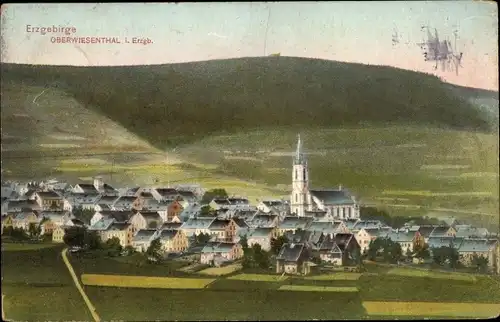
column 299, row 155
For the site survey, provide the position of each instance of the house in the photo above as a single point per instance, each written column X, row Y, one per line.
column 104, row 188
column 261, row 236
column 479, row 247
column 58, row 234
column 23, row 219
column 425, row 231
column 173, row 241
column 50, row 220
column 438, row 242
column 338, row 203
column 153, row 219
column 330, row 252
column 406, row 239
column 122, row 231
column 311, row 239
column 106, row 200
column 471, row 232
column 293, row 259
column 171, row 226
column 196, row 226
column 143, row 238
column 215, row 253
column 161, row 207
column 124, row 203
column 118, row 216
column 263, row 221
column 292, row 223
column 443, row 231
column 7, row 221
column 86, row 200
column 85, row 188
column 164, row 194
column 174, row 209
column 363, row 237
column 223, row 229
column 277, row 207
column 21, row 205
column 191, row 211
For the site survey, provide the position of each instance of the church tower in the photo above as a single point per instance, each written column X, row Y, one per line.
column 300, row 183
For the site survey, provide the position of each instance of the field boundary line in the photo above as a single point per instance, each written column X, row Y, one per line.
column 79, row 287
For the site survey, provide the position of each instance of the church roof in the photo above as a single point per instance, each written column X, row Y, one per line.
column 333, row 197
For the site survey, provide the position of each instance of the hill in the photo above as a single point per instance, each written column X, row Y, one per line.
column 179, row 103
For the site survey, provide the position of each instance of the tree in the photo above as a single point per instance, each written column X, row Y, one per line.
column 439, row 255
column 277, row 243
column 155, row 251
column 206, row 211
column 480, row 262
column 409, row 254
column 75, row 236
column 244, row 242
column 357, row 257
column 392, row 251
column 260, row 257
column 113, row 247
column 201, row 239
column 129, row 250
column 374, row 248
column 34, row 230
column 85, row 215
column 214, row 193
column 92, row 240
column 422, row 252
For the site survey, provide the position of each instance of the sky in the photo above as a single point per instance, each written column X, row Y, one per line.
column 360, row 32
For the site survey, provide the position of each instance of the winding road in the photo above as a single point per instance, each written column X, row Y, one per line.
column 79, row 287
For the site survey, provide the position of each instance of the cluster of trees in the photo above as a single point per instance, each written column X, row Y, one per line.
column 389, row 250
column 34, row 232
column 83, row 214
column 201, row 239
column 254, row 256
column 213, row 193
column 372, row 213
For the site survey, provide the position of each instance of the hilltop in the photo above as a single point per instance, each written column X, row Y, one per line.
column 180, row 103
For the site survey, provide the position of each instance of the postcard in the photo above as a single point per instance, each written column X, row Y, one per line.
column 250, row 161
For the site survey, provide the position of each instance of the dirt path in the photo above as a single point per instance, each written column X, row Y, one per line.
column 79, row 287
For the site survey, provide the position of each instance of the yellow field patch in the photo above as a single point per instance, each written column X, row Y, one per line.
column 431, row 274
column 258, row 277
column 220, row 271
column 335, row 277
column 432, row 309
column 309, row 288
column 144, row 281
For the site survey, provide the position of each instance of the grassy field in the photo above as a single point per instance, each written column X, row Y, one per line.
column 258, row 277
column 20, row 247
column 308, row 288
column 335, row 276
column 220, row 271
column 431, row 274
column 144, row 281
column 38, row 287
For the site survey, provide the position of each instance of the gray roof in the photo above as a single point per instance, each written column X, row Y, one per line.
column 273, row 203
column 437, row 242
column 150, row 215
column 426, row 231
column 367, row 224
column 333, row 197
column 439, row 231
column 263, row 220
column 378, row 232
column 475, row 245
column 48, row 195
column 102, row 224
column 118, row 226
column 295, row 222
column 171, row 225
column 125, row 200
column 144, row 235
column 197, row 223
column 118, row 216
column 88, row 188
column 168, row 234
column 107, row 200
column 326, row 227
column 217, row 247
column 219, row 224
column 291, row 252
column 472, row 232
column 260, row 232
column 401, row 236
column 241, row 223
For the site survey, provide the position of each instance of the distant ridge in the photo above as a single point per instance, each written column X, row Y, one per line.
column 179, row 103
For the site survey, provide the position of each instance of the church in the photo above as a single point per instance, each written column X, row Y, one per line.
column 336, row 203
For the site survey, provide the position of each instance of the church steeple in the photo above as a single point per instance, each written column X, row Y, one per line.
column 299, row 154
